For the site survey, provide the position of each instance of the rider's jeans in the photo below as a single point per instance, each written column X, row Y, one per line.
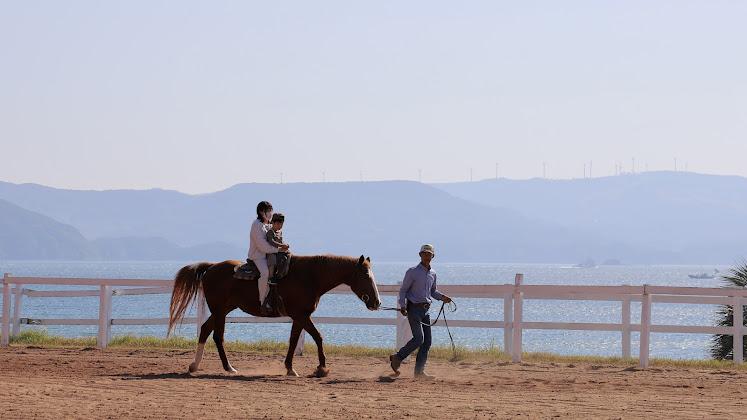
column 264, row 275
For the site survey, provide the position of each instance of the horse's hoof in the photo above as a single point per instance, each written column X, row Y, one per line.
column 321, row 372
column 192, row 368
column 231, row 370
column 292, row 372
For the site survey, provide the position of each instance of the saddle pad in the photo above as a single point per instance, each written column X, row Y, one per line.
column 246, row 271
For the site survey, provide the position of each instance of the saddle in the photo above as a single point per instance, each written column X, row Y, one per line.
column 273, row 305
column 249, row 271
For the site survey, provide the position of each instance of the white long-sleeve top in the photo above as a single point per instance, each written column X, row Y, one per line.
column 258, row 245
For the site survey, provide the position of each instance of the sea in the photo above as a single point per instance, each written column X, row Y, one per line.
column 676, row 346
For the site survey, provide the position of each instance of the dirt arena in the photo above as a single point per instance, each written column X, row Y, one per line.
column 78, row 383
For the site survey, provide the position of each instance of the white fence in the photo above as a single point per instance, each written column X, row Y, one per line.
column 513, row 296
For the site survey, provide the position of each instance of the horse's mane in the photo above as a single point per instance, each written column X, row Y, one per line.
column 340, row 261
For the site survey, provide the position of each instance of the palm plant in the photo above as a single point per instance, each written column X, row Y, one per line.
column 722, row 344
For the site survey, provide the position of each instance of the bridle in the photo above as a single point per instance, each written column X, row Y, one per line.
column 363, row 297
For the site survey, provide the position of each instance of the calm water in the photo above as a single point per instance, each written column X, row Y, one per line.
column 563, row 342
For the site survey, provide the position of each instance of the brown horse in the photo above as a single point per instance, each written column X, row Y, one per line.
column 309, row 277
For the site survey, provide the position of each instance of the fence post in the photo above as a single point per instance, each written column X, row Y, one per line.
column 403, row 330
column 626, row 327
column 518, row 304
column 645, row 327
column 17, row 305
column 508, row 319
column 201, row 309
column 738, row 323
column 105, row 316
column 5, row 338
column 404, row 334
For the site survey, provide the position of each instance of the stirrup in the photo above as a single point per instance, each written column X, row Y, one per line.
column 266, row 308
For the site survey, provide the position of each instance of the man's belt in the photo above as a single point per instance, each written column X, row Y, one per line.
column 424, row 305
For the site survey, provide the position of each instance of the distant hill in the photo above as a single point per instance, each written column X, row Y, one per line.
column 116, row 213
column 28, row 235
column 696, row 218
column 386, row 220
column 154, row 248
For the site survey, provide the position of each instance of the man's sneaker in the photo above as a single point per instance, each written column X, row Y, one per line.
column 395, row 361
column 424, row 376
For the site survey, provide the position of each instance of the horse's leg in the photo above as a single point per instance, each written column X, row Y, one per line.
column 205, row 331
column 220, row 327
column 322, row 369
column 296, row 329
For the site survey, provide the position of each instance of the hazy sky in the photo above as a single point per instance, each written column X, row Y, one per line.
column 197, row 96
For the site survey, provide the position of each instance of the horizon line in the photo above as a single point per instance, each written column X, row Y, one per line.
column 353, row 181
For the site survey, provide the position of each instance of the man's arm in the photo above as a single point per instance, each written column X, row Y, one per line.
column 406, row 284
column 436, row 294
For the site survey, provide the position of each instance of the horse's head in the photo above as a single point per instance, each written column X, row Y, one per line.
column 363, row 284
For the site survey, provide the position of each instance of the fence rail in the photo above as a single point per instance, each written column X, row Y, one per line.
column 513, row 296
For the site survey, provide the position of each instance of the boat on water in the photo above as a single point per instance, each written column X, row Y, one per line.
column 703, row 276
column 588, row 263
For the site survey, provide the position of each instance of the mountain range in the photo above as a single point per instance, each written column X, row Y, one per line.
column 646, row 218
column 693, row 217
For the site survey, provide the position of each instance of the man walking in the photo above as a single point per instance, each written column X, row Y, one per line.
column 418, row 287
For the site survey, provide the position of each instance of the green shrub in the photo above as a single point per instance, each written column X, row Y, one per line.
column 722, row 344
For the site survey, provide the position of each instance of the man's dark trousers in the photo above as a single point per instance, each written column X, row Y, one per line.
column 417, row 315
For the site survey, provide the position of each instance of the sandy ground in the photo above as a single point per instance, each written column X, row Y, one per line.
column 77, row 383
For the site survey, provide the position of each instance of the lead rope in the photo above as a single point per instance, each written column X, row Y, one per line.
column 441, row 313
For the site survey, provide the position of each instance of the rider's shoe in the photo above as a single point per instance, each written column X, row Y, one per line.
column 266, row 309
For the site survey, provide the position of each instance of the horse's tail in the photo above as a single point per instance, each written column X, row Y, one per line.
column 186, row 285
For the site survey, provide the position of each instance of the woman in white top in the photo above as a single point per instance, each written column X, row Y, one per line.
column 259, row 247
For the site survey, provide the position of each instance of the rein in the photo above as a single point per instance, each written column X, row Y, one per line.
column 441, row 313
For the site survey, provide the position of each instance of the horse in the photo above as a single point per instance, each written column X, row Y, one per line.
column 308, row 278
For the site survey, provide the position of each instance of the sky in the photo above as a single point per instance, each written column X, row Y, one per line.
column 199, row 96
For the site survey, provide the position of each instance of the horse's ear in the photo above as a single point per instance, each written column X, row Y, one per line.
column 368, row 259
column 361, row 259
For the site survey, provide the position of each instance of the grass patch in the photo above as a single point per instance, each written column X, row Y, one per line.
column 42, row 338
column 152, row 342
column 703, row 364
column 557, row 358
column 491, row 353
